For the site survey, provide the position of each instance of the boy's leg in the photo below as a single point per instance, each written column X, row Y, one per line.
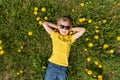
column 62, row 74
column 50, row 73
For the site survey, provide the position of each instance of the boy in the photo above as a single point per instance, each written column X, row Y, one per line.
column 58, row 62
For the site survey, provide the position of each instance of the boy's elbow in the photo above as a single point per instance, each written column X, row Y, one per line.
column 84, row 29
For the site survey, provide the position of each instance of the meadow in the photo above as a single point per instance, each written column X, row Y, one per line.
column 25, row 46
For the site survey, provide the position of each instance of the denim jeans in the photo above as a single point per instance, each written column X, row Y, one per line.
column 55, row 72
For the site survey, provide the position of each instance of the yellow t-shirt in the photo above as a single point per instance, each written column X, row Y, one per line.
column 61, row 48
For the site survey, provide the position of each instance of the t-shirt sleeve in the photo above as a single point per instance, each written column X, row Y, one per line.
column 52, row 35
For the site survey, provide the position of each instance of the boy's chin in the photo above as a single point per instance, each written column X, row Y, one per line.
column 64, row 34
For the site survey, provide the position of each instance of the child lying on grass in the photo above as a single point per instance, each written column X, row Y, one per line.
column 61, row 41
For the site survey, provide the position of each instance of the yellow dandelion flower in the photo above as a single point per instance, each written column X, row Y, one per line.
column 89, row 72
column 114, row 17
column 83, row 19
column 35, row 12
column 96, row 27
column 90, row 21
column 0, row 41
column 21, row 47
column 118, row 4
column 118, row 38
column 100, row 76
column 30, row 33
column 96, row 36
column 96, row 62
column 85, row 49
column 99, row 66
column 111, row 51
column 82, row 4
column 86, row 39
column 104, row 21
column 1, row 52
column 105, row 46
column 88, row 59
column 19, row 50
column 43, row 9
column 45, row 18
column 73, row 10
column 35, row 8
column 80, row 20
column 1, row 47
column 86, row 69
column 97, row 31
column 90, row 44
column 40, row 22
column 43, row 67
column 94, row 76
column 20, row 71
column 38, row 18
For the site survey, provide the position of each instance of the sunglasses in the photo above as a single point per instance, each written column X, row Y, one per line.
column 64, row 27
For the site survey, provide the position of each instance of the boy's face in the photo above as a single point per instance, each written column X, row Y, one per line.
column 64, row 28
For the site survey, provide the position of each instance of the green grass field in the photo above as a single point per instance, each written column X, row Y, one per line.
column 25, row 46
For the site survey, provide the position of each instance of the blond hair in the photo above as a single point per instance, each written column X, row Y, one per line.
column 65, row 19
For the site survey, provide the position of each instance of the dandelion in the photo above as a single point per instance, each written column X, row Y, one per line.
column 43, row 9
column 90, row 44
column 96, row 62
column 43, row 67
column 114, row 17
column 111, row 51
column 20, row 71
column 89, row 72
column 1, row 52
column 82, row 4
column 0, row 41
column 21, row 47
column 88, row 59
column 35, row 8
column 96, row 36
column 73, row 10
column 90, row 21
column 94, row 76
column 83, row 19
column 97, row 31
column 105, row 46
column 1, row 47
column 104, row 21
column 99, row 66
column 100, row 77
column 38, row 18
column 40, row 22
column 80, row 20
column 35, row 12
column 85, row 49
column 96, row 27
column 30, row 33
column 19, row 50
column 118, row 38
column 86, row 69
column 86, row 39
column 45, row 18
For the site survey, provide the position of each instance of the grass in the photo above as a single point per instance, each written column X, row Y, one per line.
column 24, row 56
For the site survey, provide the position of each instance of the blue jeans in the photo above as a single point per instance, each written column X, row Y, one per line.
column 56, row 72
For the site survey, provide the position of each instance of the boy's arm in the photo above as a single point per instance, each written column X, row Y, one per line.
column 79, row 32
column 48, row 26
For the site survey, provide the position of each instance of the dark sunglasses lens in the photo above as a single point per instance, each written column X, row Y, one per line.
column 67, row 27
column 62, row 26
